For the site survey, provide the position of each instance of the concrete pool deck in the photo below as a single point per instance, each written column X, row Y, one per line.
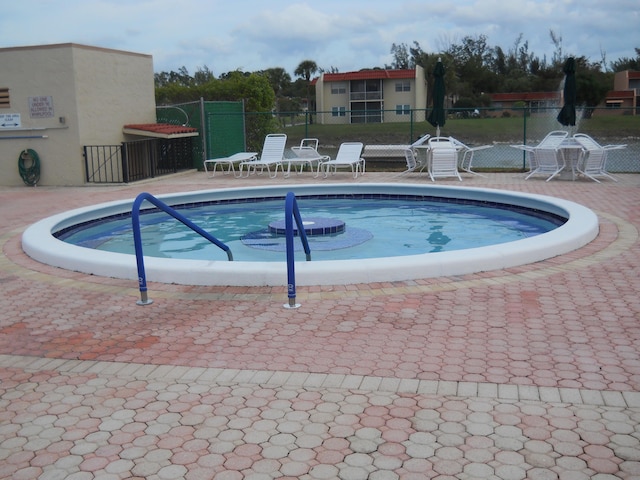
column 528, row 372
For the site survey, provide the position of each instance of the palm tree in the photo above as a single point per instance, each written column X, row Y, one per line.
column 305, row 70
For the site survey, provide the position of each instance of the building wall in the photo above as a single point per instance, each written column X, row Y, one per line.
column 89, row 93
column 621, row 80
column 416, row 98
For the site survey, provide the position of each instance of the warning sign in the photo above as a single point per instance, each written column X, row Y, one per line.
column 41, row 107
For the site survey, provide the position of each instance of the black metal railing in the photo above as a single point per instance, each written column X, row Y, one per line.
column 137, row 160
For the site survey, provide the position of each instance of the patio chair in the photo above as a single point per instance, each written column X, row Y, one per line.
column 272, row 156
column 348, row 156
column 230, row 161
column 410, row 158
column 466, row 160
column 306, row 154
column 443, row 158
column 549, row 161
column 553, row 139
column 594, row 159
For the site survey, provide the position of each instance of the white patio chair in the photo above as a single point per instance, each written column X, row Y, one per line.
column 549, row 161
column 306, row 154
column 466, row 159
column 553, row 139
column 272, row 156
column 594, row 159
column 443, row 158
column 412, row 163
column 348, row 156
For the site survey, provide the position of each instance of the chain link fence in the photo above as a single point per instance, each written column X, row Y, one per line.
column 499, row 128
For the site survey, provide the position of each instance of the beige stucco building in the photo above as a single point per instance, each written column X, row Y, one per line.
column 371, row 96
column 55, row 99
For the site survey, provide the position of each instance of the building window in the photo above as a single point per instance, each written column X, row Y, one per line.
column 366, row 112
column 614, row 104
column 403, row 86
column 4, row 98
column 338, row 89
column 403, row 109
column 366, row 90
column 338, row 111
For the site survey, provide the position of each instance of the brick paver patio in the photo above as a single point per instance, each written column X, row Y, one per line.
column 531, row 372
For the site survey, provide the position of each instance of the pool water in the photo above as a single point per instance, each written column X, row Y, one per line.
column 374, row 228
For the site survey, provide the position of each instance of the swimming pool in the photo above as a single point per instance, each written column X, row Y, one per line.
column 581, row 227
column 338, row 228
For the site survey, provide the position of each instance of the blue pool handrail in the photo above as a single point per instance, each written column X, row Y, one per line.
column 137, row 237
column 291, row 212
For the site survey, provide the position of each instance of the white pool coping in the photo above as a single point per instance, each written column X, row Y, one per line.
column 582, row 227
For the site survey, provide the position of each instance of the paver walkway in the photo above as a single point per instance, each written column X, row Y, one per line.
column 531, row 372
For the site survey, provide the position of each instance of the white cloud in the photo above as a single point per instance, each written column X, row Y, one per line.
column 349, row 35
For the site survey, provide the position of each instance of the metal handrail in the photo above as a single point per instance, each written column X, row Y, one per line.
column 137, row 238
column 292, row 211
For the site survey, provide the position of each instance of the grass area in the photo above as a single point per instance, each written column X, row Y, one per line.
column 470, row 130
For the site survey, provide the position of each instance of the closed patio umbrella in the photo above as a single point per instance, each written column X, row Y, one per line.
column 567, row 115
column 437, row 116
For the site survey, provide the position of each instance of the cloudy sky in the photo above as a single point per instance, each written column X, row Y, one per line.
column 251, row 35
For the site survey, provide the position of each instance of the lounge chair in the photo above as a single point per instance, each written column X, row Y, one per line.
column 391, row 150
column 594, row 159
column 306, row 154
column 230, row 161
column 466, row 159
column 348, row 156
column 272, row 156
column 443, row 158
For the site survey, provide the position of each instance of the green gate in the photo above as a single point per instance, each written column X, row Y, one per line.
column 225, row 128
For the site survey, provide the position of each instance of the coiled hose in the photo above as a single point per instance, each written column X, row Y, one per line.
column 29, row 166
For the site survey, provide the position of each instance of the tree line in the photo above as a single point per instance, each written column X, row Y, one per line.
column 474, row 70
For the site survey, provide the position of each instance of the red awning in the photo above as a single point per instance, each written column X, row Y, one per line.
column 160, row 130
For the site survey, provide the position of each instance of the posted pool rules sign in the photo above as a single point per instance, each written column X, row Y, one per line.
column 41, row 107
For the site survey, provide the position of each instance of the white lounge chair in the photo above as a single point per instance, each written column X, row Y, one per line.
column 230, row 161
column 391, row 150
column 443, row 158
column 466, row 159
column 272, row 156
column 348, row 156
column 306, row 154
column 594, row 159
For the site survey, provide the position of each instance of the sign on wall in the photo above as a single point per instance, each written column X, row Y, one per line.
column 41, row 107
column 10, row 120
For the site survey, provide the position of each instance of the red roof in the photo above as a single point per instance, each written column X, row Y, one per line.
column 524, row 96
column 162, row 130
column 377, row 74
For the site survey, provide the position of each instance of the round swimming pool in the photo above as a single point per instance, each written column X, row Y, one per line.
column 339, row 228
column 40, row 242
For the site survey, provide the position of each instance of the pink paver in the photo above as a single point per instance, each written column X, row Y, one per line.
column 89, row 381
